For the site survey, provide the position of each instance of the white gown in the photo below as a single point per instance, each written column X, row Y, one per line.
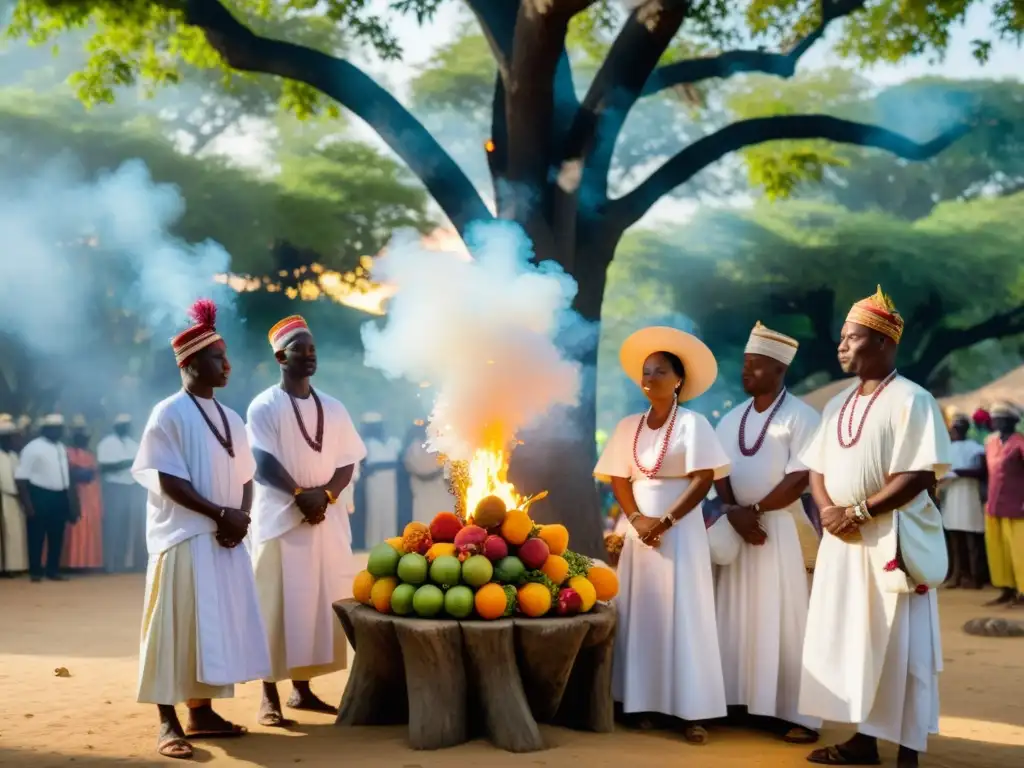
column 666, row 645
column 762, row 597
column 381, row 491
column 872, row 656
column 962, row 509
column 15, row 554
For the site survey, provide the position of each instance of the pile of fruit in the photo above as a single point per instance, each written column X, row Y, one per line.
column 498, row 565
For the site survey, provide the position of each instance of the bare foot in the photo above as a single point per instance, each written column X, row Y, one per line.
column 695, row 734
column 204, row 723
column 859, row 750
column 1006, row 596
column 303, row 698
column 270, row 715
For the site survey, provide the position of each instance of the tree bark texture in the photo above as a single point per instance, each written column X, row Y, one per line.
column 456, row 680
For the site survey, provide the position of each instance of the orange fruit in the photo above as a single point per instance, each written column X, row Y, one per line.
column 555, row 568
column 606, row 583
column 534, row 599
column 380, row 594
column 556, row 536
column 397, row 544
column 439, row 549
column 517, row 527
column 585, row 590
column 490, row 601
column 362, row 584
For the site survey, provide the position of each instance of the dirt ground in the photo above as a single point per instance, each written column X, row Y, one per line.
column 90, row 626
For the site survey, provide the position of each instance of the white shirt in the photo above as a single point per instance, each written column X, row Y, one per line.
column 273, row 428
column 113, row 449
column 177, row 441
column 754, row 477
column 44, row 464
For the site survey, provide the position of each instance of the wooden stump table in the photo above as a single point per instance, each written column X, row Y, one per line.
column 453, row 680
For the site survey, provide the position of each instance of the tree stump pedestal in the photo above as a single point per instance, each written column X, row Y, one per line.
column 452, row 681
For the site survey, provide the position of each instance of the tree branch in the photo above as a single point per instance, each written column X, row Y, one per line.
column 344, row 82
column 615, row 89
column 735, row 62
column 747, row 133
column 945, row 341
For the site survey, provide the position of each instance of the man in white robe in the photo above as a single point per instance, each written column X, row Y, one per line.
column 13, row 536
column 201, row 626
column 379, row 481
column 306, row 448
column 872, row 652
column 124, row 512
column 761, row 597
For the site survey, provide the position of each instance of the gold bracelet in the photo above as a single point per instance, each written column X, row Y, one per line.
column 331, row 498
column 297, row 492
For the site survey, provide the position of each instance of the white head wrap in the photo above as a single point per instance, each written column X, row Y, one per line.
column 8, row 427
column 764, row 341
column 122, row 418
column 52, row 420
column 1004, row 409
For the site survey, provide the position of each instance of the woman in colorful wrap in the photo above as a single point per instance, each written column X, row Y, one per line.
column 83, row 543
column 661, row 464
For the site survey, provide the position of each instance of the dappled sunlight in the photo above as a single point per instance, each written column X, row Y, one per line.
column 982, row 731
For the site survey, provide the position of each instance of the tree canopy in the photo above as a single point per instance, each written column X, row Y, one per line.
column 797, row 266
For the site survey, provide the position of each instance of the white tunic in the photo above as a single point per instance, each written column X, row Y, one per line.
column 316, row 560
column 113, row 449
column 430, row 495
column 381, row 491
column 962, row 509
column 44, row 464
column 666, row 644
column 762, row 597
column 872, row 656
column 230, row 639
column 15, row 555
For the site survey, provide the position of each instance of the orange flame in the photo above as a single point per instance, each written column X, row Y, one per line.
column 487, row 477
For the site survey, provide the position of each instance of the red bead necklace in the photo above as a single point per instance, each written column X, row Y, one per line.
column 748, row 452
column 854, row 438
column 650, row 473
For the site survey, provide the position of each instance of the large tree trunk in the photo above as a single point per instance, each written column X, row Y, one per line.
column 559, row 455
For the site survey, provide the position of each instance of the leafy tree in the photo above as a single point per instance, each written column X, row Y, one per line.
column 551, row 152
column 956, row 276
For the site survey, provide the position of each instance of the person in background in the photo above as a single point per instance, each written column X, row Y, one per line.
column 306, row 448
column 661, row 464
column 13, row 538
column 124, row 513
column 762, row 596
column 981, row 425
column 47, row 496
column 963, row 515
column 378, row 483
column 25, row 434
column 202, row 632
column 1004, row 519
column 83, row 541
column 430, row 491
column 872, row 653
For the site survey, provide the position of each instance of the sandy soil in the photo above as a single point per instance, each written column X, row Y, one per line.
column 90, row 626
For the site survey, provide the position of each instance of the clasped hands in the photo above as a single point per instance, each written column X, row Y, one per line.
column 746, row 522
column 232, row 527
column 650, row 530
column 840, row 522
column 312, row 503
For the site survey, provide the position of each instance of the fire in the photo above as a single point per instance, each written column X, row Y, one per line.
column 486, row 477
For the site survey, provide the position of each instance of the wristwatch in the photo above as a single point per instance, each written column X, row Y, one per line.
column 756, row 508
column 331, row 498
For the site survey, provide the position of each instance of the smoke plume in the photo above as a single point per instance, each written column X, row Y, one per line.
column 482, row 332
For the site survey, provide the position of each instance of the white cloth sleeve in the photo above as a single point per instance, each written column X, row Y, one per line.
column 160, row 451
column 349, row 446
column 106, row 453
column 261, row 428
column 922, row 441
column 615, row 460
column 26, row 462
column 703, row 449
column 813, row 454
column 245, row 462
column 804, row 428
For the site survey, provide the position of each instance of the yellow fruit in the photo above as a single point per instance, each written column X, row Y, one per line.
column 555, row 568
column 380, row 594
column 534, row 599
column 490, row 512
column 556, row 537
column 606, row 583
column 439, row 549
column 517, row 527
column 361, row 587
column 396, row 543
column 585, row 590
column 490, row 601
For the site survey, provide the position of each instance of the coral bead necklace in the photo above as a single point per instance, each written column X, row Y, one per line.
column 852, row 438
column 748, row 452
column 650, row 473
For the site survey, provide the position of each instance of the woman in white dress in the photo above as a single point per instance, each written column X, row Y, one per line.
column 430, row 491
column 963, row 514
column 661, row 464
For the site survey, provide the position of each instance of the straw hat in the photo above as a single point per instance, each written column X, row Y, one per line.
column 698, row 361
column 1004, row 409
